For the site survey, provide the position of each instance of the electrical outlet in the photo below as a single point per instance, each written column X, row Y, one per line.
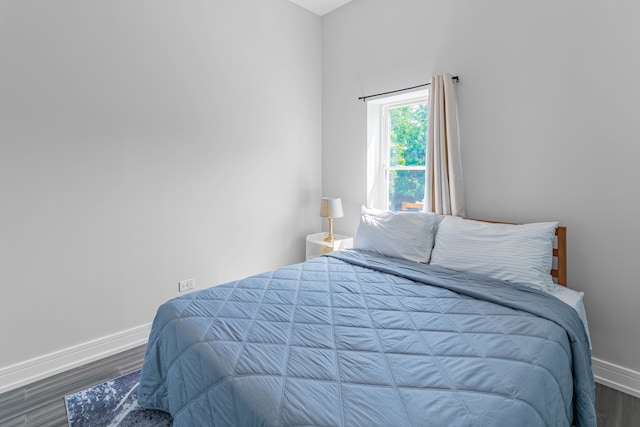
column 186, row 285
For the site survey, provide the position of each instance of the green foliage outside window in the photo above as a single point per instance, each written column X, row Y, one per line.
column 408, row 145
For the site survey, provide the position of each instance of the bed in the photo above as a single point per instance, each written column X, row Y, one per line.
column 387, row 334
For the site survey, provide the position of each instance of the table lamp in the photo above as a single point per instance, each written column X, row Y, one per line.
column 330, row 208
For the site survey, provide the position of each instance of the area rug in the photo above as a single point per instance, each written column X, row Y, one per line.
column 113, row 403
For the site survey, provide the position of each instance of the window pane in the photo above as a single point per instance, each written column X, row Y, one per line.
column 408, row 135
column 405, row 186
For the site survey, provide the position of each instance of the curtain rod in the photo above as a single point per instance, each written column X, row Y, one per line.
column 364, row 98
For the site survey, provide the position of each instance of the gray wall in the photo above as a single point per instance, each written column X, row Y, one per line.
column 144, row 142
column 548, row 104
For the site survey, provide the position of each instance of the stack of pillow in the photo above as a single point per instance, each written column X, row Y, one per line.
column 516, row 253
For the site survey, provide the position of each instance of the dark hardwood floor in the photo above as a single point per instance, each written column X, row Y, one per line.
column 616, row 409
column 42, row 403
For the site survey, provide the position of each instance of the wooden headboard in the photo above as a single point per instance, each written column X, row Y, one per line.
column 560, row 253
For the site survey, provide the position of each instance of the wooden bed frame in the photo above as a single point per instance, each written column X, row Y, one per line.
column 560, row 252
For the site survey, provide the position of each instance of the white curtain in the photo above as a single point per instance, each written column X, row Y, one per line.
column 444, row 192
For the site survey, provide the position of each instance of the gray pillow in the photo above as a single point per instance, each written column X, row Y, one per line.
column 406, row 235
column 516, row 253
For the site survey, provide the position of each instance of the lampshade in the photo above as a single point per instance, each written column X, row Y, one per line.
column 331, row 208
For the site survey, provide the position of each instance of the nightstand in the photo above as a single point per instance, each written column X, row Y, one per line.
column 316, row 245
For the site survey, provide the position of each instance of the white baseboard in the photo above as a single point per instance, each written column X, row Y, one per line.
column 617, row 377
column 35, row 369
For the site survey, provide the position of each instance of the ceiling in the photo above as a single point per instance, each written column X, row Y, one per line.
column 320, row 7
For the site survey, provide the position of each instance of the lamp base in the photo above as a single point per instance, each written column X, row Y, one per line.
column 330, row 237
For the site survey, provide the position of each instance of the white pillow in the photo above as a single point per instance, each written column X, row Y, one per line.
column 517, row 253
column 407, row 235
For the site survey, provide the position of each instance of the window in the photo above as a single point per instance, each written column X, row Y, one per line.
column 397, row 143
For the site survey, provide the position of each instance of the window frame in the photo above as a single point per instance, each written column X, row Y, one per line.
column 379, row 145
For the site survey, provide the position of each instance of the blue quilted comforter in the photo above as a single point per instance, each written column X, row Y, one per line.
column 357, row 340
